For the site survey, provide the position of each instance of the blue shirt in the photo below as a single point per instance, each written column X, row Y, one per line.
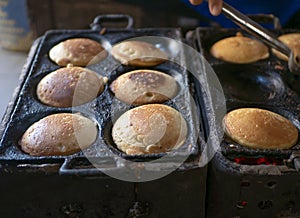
column 283, row 9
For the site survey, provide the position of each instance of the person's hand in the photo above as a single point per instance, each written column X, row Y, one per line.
column 215, row 6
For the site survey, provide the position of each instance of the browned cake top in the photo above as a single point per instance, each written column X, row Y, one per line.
column 144, row 86
column 138, row 53
column 292, row 40
column 259, row 128
column 239, row 49
column 70, row 86
column 152, row 128
column 59, row 134
column 77, row 51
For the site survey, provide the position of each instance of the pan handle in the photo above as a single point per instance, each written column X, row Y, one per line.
column 111, row 18
column 81, row 166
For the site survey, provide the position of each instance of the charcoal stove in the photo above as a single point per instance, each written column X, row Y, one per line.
column 238, row 182
column 244, row 182
column 71, row 186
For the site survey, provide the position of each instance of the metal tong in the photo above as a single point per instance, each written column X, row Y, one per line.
column 261, row 33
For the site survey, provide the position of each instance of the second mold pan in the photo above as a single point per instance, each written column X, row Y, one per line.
column 249, row 83
column 263, row 84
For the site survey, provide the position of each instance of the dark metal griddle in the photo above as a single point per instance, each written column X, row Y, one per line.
column 245, row 182
column 70, row 186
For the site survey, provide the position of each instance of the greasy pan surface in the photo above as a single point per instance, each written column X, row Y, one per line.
column 27, row 109
column 265, row 84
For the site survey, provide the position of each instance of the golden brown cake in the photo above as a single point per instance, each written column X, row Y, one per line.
column 292, row 40
column 239, row 49
column 152, row 128
column 138, row 53
column 59, row 134
column 77, row 51
column 259, row 128
column 144, row 86
column 70, row 86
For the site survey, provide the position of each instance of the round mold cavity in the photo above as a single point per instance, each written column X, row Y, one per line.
column 35, row 80
column 172, row 71
column 106, row 134
column 285, row 113
column 20, row 125
column 249, row 83
column 102, row 41
column 170, row 46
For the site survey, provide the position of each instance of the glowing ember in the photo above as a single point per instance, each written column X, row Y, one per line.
column 258, row 161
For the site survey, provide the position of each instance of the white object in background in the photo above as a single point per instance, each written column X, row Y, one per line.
column 11, row 66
